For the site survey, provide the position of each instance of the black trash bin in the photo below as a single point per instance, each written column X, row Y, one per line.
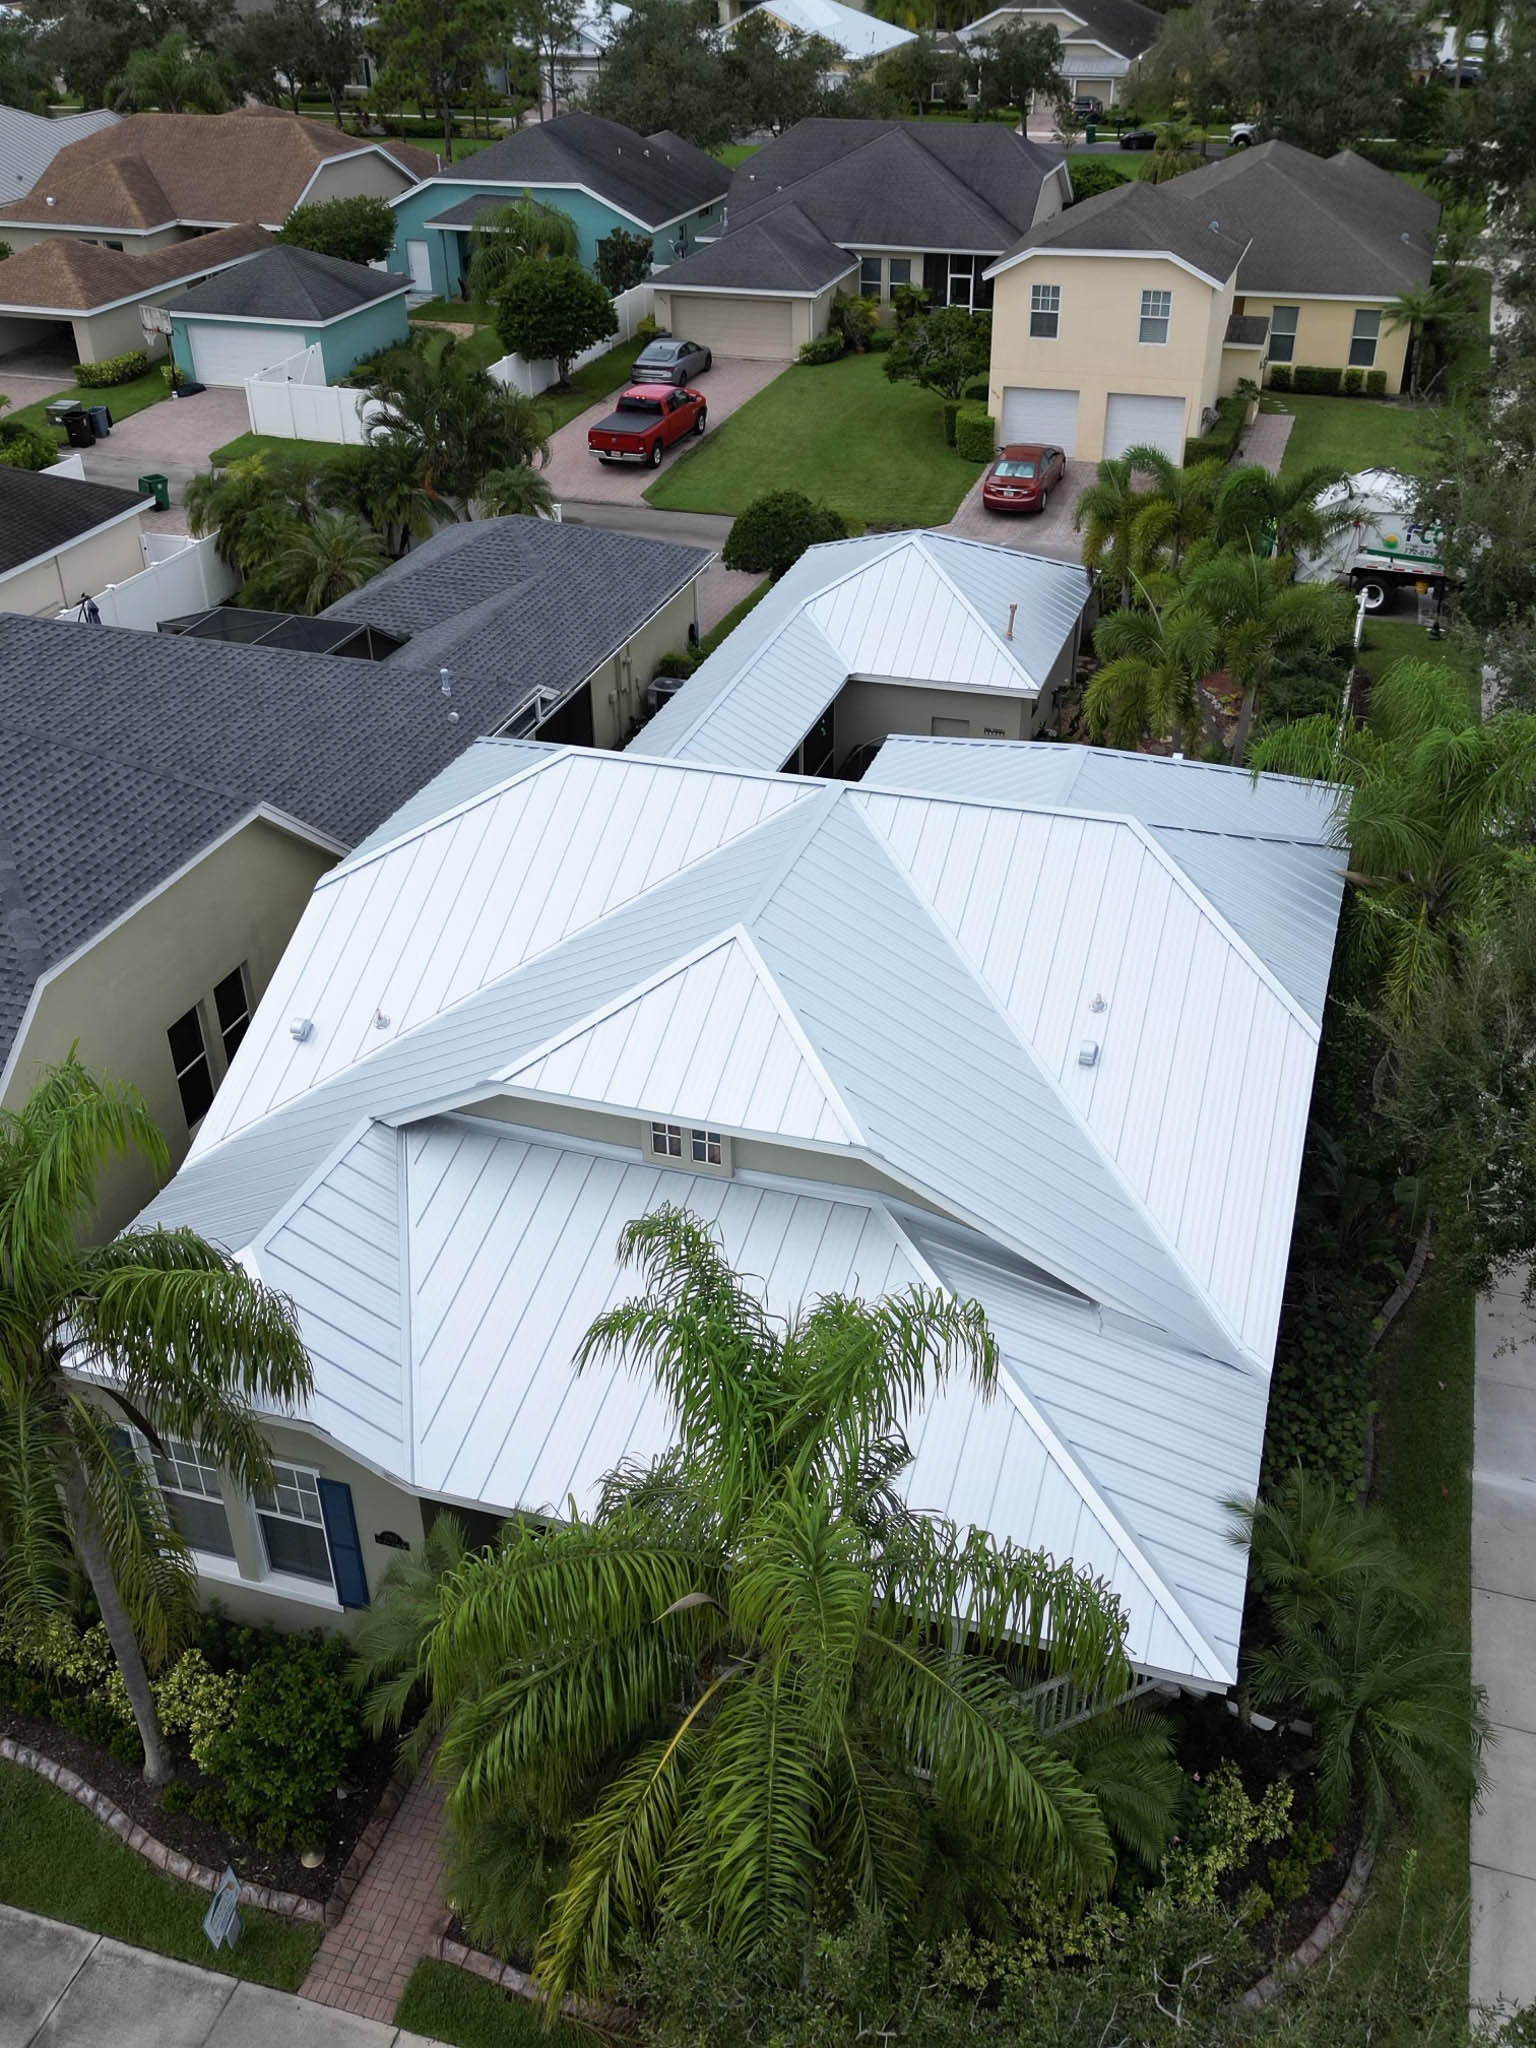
column 77, row 428
column 101, row 420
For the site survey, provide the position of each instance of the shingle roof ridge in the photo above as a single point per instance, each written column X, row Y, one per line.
column 886, row 130
column 1294, row 165
column 116, row 758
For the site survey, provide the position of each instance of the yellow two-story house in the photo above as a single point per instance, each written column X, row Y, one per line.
column 1122, row 321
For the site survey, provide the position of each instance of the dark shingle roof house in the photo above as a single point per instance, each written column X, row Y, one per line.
column 654, row 179
column 535, row 604
column 1139, row 218
column 784, row 251
column 1125, row 29
column 41, row 513
column 198, row 171
column 289, row 283
column 124, row 755
column 1318, row 226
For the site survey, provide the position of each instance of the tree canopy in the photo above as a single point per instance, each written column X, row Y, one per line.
column 358, row 229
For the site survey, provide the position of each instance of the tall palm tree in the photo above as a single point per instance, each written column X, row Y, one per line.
column 172, row 77
column 458, row 421
column 322, row 561
column 381, row 482
column 1177, row 149
column 1434, row 804
column 1177, row 508
column 179, row 1337
column 1106, row 515
column 506, row 235
column 252, row 505
column 1261, row 618
column 752, row 1675
column 1155, row 663
column 1268, row 514
column 1438, row 311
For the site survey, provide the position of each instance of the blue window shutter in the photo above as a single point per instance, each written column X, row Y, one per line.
column 346, row 1550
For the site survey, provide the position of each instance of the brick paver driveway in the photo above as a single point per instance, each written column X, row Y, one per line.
column 174, row 437
column 574, row 472
column 1037, row 533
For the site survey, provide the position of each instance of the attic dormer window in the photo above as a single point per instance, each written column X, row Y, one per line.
column 692, row 1146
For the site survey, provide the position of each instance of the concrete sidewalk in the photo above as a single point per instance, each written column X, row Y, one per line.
column 63, row 1988
column 1503, row 1962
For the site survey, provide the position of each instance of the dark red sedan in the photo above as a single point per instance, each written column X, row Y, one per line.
column 1022, row 478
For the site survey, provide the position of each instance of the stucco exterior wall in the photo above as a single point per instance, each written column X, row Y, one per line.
column 618, row 687
column 133, row 245
column 1238, row 363
column 115, row 333
column 1096, row 350
column 240, row 903
column 869, row 711
column 1324, row 327
column 353, row 176
column 364, row 333
column 84, row 566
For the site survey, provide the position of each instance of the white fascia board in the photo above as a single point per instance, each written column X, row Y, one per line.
column 1050, row 250
column 276, row 320
column 742, row 291
column 1004, row 14
column 1291, row 296
column 348, row 156
column 522, row 185
column 267, row 813
column 906, row 249
column 1026, row 688
column 88, row 227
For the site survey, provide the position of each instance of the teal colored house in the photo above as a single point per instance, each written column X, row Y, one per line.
column 253, row 315
column 603, row 175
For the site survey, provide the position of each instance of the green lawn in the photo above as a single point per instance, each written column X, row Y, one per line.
column 733, row 153
column 1351, row 433
column 1415, row 1913
column 58, row 1860
column 1401, row 638
column 124, row 399
column 446, row 2004
column 840, row 432
column 454, row 309
column 267, row 444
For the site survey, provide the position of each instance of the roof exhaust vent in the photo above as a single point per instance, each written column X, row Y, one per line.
column 301, row 1029
column 1013, row 612
column 1088, row 1053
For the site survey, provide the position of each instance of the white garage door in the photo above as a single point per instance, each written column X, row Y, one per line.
column 1041, row 416
column 228, row 354
column 1131, row 421
column 760, row 329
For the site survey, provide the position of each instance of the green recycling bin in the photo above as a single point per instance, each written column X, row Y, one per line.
column 1090, row 133
column 157, row 487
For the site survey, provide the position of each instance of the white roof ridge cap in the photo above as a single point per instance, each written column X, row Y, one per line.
column 817, row 809
column 355, row 863
column 1236, row 1350
column 840, row 1109
column 1066, row 1461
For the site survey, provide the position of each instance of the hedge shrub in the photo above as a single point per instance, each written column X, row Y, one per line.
column 1354, row 383
column 880, row 339
column 976, row 390
column 951, row 412
column 1092, row 175
column 1220, row 443
column 775, row 531
column 1319, row 380
column 27, row 448
column 826, row 348
column 1280, row 377
column 1375, row 383
column 115, row 370
column 975, row 434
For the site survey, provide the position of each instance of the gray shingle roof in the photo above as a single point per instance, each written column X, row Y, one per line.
column 287, row 283
column 1327, row 225
column 899, row 184
column 40, row 513
column 123, row 754
column 654, row 179
column 1124, row 26
column 1247, row 330
column 1141, row 216
column 785, row 251
column 534, row 604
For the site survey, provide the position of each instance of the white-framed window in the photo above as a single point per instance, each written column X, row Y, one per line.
column 232, row 1007
column 900, row 270
column 689, row 1145
column 189, row 1057
column 292, row 1526
column 189, row 1485
column 1156, row 312
column 1283, row 322
column 871, row 277
column 1044, row 311
column 1363, row 340
column 962, row 282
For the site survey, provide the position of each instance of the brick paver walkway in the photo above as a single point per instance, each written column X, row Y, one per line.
column 1266, row 439
column 396, row 1912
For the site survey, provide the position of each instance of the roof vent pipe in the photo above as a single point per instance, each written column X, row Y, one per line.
column 1013, row 612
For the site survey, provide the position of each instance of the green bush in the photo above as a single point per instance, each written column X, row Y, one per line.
column 975, row 434
column 674, row 665
column 977, row 390
column 26, row 448
column 1390, row 155
column 879, row 339
column 909, row 302
column 775, row 531
column 1318, row 380
column 1219, row 443
column 552, row 308
column 1354, row 383
column 1280, row 377
column 1092, row 175
column 951, row 414
column 293, row 1733
column 826, row 348
column 854, row 318
column 115, row 370
column 1375, row 383
column 356, row 229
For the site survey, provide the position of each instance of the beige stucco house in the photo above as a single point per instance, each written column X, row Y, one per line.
column 1124, row 320
column 62, row 539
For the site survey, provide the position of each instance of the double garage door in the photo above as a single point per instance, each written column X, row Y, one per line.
column 227, row 352
column 1130, row 420
column 762, row 330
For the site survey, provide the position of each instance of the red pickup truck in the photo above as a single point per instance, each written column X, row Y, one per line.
column 646, row 421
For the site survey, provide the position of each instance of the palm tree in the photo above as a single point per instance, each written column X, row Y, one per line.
column 457, row 420
column 381, row 482
column 1173, row 153
column 1106, row 515
column 178, row 1336
column 1155, row 663
column 1261, row 617
column 1279, row 515
column 506, row 235
column 322, row 561
column 254, row 503
column 1434, row 805
column 506, row 492
column 1176, row 511
column 171, row 77
column 752, row 1676
column 1396, row 1720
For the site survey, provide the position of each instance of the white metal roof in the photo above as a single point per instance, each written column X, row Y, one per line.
column 883, row 998
column 911, row 607
column 856, row 34
column 30, row 142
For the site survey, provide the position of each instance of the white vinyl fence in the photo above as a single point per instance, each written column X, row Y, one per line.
column 292, row 400
column 630, row 307
column 182, row 576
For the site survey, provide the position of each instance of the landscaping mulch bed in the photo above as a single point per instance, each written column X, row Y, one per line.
column 368, row 1774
